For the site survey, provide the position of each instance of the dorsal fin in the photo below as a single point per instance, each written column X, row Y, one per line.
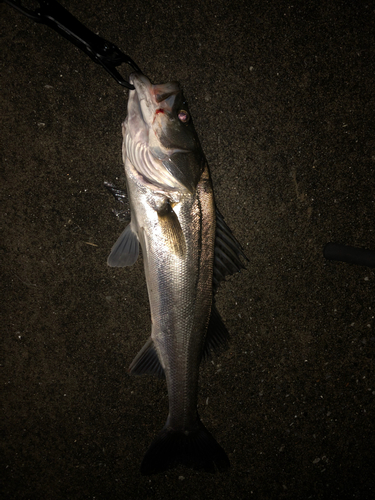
column 228, row 252
column 217, row 335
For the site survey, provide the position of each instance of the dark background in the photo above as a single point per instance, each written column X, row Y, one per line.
column 282, row 96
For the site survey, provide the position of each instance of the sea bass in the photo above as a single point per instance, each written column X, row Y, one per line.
column 187, row 250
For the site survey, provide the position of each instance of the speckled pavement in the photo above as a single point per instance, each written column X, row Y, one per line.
column 282, row 97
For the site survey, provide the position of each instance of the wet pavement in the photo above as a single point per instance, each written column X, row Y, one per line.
column 282, row 97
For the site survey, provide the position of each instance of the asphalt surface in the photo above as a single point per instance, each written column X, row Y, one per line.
column 282, row 97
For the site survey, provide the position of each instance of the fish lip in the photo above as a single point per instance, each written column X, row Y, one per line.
column 142, row 96
column 135, row 78
column 136, row 123
column 154, row 95
column 143, row 86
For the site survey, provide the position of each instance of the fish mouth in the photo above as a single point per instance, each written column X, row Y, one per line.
column 138, row 120
column 140, row 99
column 148, row 108
column 149, row 98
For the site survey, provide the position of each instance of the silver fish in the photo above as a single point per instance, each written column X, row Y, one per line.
column 187, row 250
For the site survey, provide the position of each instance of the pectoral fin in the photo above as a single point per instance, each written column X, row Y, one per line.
column 172, row 231
column 126, row 249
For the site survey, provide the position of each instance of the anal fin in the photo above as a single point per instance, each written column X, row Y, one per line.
column 147, row 361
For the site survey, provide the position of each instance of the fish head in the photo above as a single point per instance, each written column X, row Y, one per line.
column 160, row 124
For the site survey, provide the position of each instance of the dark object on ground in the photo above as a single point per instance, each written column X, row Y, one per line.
column 352, row 255
column 100, row 50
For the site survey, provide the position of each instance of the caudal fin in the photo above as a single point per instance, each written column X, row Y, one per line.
column 197, row 449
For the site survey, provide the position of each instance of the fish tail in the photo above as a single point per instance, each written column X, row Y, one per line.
column 195, row 449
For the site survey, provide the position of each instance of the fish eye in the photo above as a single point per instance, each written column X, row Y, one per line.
column 183, row 116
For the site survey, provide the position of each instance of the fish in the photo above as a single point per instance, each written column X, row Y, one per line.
column 187, row 251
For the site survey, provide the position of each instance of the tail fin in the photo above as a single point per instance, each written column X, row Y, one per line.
column 196, row 449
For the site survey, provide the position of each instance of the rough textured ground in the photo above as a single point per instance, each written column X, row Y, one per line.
column 282, row 95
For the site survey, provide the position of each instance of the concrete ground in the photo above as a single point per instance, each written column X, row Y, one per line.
column 282, row 96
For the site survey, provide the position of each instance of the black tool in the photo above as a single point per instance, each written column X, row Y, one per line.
column 100, row 50
column 343, row 253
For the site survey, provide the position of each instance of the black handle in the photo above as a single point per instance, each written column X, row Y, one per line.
column 100, row 50
column 352, row 255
